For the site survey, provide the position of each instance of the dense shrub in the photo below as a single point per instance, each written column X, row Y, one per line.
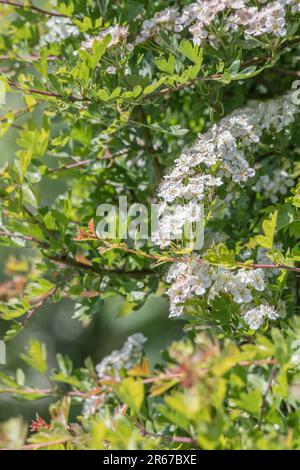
column 192, row 106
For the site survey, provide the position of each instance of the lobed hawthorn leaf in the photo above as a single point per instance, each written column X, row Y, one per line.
column 268, row 225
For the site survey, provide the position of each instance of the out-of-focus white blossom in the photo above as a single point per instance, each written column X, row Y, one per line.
column 270, row 19
column 111, row 70
column 163, row 20
column 275, row 185
column 118, row 34
column 59, row 29
column 125, row 358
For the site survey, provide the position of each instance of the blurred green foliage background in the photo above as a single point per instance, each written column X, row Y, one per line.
column 54, row 324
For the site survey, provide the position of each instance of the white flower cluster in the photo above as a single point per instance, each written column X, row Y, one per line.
column 58, row 30
column 195, row 277
column 163, row 20
column 255, row 317
column 269, row 19
column 199, row 15
column 222, row 147
column 194, row 189
column 128, row 356
column 175, row 221
column 118, row 34
column 273, row 186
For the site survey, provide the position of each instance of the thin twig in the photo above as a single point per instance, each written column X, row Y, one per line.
column 26, row 58
column 33, row 8
column 4, row 233
column 48, row 93
column 81, row 163
column 42, row 445
column 183, row 440
column 244, row 65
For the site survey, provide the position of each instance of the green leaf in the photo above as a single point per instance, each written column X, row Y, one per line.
column 166, row 66
column 36, row 356
column 250, row 402
column 220, row 254
column 156, row 84
column 267, row 240
column 131, row 391
column 23, row 161
column 194, row 53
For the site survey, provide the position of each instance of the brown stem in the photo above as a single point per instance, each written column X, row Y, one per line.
column 283, row 71
column 244, row 65
column 183, row 440
column 26, row 58
column 42, row 301
column 41, row 445
column 48, row 93
column 33, row 8
column 18, row 112
column 64, row 260
column 4, row 233
column 187, row 260
column 270, row 266
column 81, row 163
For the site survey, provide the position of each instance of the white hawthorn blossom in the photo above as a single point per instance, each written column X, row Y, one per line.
column 118, row 34
column 128, row 356
column 175, row 222
column 218, row 155
column 255, row 317
column 192, row 278
column 59, row 28
column 243, row 15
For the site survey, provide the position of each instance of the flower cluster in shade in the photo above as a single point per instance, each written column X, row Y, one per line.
column 218, row 155
column 274, row 185
column 200, row 16
column 125, row 358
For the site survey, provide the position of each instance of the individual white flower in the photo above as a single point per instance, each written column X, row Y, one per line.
column 111, row 70
column 175, row 222
column 241, row 294
column 254, row 278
